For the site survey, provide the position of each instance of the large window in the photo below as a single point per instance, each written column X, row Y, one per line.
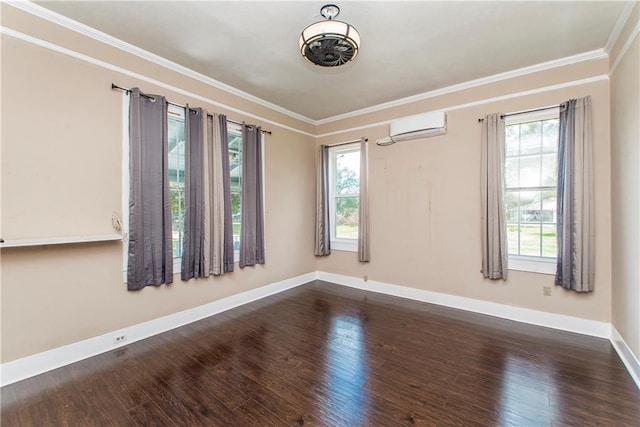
column 531, row 159
column 176, row 140
column 344, row 196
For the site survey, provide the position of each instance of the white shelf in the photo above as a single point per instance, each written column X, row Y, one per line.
column 13, row 243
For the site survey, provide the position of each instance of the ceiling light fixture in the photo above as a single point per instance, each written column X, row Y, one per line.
column 329, row 43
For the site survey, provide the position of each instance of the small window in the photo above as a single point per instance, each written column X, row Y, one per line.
column 344, row 196
column 530, row 176
column 176, row 140
column 234, row 139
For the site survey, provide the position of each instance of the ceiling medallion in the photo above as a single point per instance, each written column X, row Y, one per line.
column 329, row 43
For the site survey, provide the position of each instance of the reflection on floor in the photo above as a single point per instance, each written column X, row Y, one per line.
column 322, row 354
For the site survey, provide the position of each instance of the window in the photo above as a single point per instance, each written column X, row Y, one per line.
column 344, row 196
column 176, row 140
column 531, row 159
column 234, row 137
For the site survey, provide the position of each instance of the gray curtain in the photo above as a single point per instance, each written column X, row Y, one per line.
column 150, row 255
column 252, row 219
column 207, row 188
column 322, row 236
column 217, row 197
column 363, row 226
column 494, row 228
column 227, row 256
column 576, row 231
column 193, row 248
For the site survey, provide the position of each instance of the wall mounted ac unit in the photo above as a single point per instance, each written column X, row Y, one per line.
column 423, row 125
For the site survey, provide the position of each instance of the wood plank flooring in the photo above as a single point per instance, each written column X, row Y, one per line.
column 326, row 355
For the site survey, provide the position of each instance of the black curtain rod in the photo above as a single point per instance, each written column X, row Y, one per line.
column 525, row 112
column 128, row 91
column 346, row 143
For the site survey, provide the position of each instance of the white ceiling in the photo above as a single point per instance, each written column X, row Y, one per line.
column 407, row 48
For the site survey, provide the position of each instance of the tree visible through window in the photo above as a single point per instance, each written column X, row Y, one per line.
column 344, row 192
column 531, row 158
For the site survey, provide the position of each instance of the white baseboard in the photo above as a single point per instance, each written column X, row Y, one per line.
column 626, row 355
column 39, row 363
column 525, row 315
column 30, row 366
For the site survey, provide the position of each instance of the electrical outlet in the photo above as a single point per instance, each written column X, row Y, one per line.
column 546, row 291
column 119, row 338
column 366, row 278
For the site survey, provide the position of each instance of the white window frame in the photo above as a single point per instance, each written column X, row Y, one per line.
column 533, row 264
column 339, row 244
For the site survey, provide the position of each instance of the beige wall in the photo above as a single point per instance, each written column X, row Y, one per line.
column 425, row 216
column 424, row 194
column 61, row 175
column 625, row 188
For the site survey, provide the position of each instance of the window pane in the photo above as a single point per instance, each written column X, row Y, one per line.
column 530, row 239
column 512, row 140
column 549, row 170
column 549, row 241
column 234, row 139
column 549, row 206
column 177, row 221
column 347, row 217
column 348, row 173
column 550, row 136
column 512, row 205
column 530, row 171
column 511, row 172
column 530, row 136
column 236, row 201
column 530, row 206
column 512, row 239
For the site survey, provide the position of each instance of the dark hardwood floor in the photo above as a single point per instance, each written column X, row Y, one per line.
column 327, row 355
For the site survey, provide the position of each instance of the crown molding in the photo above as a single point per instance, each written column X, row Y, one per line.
column 44, row 13
column 85, row 30
column 625, row 13
column 623, row 51
column 581, row 57
column 106, row 65
column 588, row 80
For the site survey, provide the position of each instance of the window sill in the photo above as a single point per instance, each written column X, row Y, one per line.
column 347, row 246
column 533, row 264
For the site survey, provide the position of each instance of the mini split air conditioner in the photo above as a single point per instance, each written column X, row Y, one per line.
column 423, row 125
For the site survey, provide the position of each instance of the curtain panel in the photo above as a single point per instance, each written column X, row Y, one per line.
column 252, row 217
column 575, row 206
column 193, row 245
column 227, row 244
column 150, row 254
column 494, row 228
column 363, row 220
column 216, row 196
column 206, row 250
column 322, row 236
